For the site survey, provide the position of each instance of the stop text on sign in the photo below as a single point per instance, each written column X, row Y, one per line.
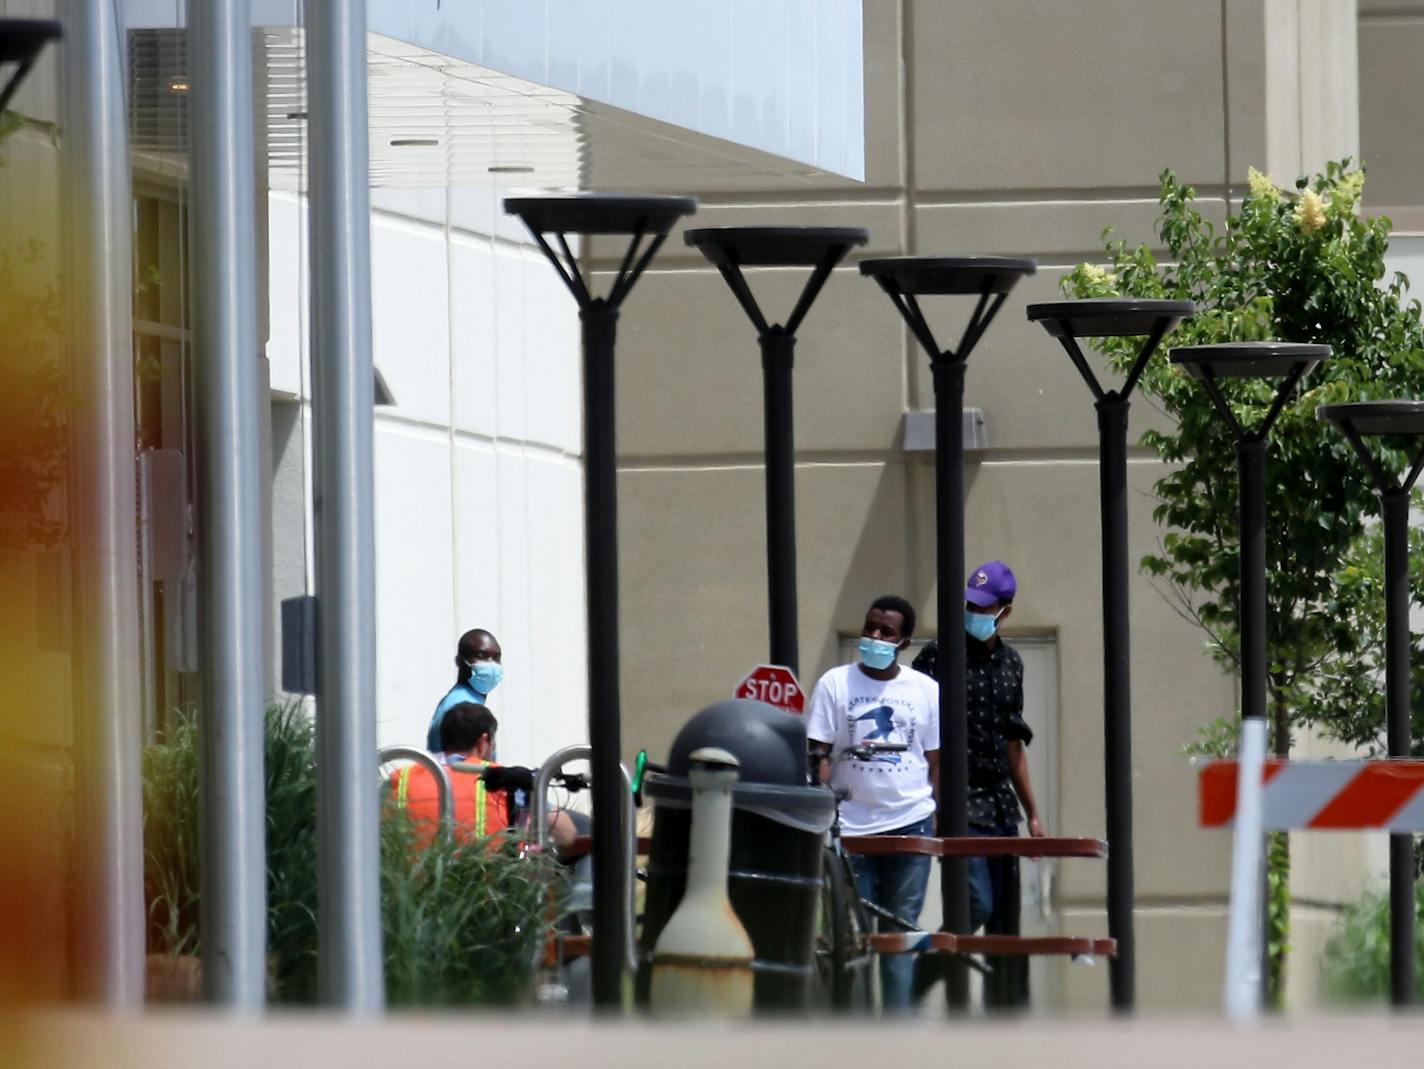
column 774, row 684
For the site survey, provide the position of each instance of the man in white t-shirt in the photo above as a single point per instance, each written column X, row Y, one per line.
column 853, row 707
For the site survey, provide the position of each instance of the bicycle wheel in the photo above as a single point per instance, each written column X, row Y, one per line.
column 843, row 956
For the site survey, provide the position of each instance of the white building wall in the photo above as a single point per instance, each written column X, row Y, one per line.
column 479, row 507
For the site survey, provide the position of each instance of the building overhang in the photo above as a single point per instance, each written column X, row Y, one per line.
column 564, row 94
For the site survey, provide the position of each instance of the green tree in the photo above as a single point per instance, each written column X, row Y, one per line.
column 1301, row 266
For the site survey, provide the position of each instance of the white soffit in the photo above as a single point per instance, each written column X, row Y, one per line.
column 782, row 76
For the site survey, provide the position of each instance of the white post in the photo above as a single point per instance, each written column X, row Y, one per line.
column 1244, row 935
column 230, row 531
column 108, row 713
column 343, row 430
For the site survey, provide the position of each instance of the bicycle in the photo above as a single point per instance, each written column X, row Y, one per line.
column 844, row 949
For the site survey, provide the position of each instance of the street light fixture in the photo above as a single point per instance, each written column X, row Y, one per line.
column 820, row 248
column 905, row 279
column 1400, row 420
column 1210, row 364
column 1111, row 317
column 641, row 218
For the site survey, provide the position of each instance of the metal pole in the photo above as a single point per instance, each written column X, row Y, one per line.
column 1117, row 696
column 951, row 663
column 233, row 867
column 1244, row 964
column 610, row 866
column 108, row 725
column 348, row 875
column 1397, row 694
column 778, row 354
column 1251, row 456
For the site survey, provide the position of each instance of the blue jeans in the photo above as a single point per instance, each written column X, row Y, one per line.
column 986, row 878
column 896, row 884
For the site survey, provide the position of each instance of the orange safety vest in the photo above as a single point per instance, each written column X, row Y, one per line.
column 478, row 812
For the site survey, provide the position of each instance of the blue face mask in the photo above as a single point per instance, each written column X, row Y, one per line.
column 485, row 675
column 981, row 625
column 877, row 654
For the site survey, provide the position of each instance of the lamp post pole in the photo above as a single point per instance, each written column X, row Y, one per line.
column 640, row 218
column 729, row 249
column 1356, row 422
column 1111, row 317
column 1211, row 364
column 905, row 279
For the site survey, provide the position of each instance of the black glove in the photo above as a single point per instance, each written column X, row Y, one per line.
column 509, row 777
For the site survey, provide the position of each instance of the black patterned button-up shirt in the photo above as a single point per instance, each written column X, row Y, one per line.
column 995, row 714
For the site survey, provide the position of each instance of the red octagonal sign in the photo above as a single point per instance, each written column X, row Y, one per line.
column 774, row 684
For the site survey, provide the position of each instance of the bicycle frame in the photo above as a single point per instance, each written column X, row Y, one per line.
column 539, row 821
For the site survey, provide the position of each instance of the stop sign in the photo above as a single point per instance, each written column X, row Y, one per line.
column 774, row 684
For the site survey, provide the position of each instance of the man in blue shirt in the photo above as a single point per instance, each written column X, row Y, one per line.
column 478, row 671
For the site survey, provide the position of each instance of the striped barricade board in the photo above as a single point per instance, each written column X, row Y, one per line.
column 1387, row 795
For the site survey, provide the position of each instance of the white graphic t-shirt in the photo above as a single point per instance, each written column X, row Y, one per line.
column 849, row 708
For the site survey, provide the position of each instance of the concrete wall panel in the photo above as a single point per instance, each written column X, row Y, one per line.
column 1392, row 109
column 693, row 576
column 410, row 315
column 1031, row 394
column 689, row 368
column 1032, row 94
column 414, row 577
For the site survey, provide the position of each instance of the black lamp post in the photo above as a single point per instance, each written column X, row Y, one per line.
column 642, row 218
column 1249, row 360
column 820, row 248
column 1103, row 318
column 905, row 279
column 21, row 41
column 1403, row 420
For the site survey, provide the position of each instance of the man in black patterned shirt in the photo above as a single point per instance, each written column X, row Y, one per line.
column 998, row 766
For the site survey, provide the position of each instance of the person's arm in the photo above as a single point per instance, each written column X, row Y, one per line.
column 820, row 731
column 932, row 759
column 1018, row 773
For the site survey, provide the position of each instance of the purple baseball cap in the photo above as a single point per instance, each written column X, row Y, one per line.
column 990, row 583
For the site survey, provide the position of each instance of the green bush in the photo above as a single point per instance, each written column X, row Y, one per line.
column 1355, row 965
column 463, row 921
column 463, row 924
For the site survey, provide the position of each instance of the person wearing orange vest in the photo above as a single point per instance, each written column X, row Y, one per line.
column 481, row 802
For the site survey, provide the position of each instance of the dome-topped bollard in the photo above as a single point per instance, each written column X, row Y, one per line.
column 777, row 844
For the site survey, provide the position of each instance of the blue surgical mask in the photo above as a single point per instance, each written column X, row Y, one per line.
column 876, row 653
column 981, row 625
column 485, row 675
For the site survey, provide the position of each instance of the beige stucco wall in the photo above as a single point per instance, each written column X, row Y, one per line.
column 1019, row 127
